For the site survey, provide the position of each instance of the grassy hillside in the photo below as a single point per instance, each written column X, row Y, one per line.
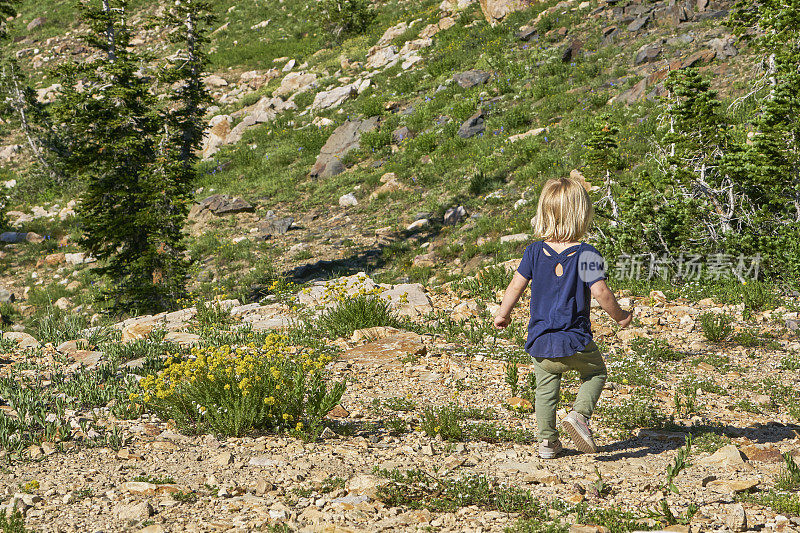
column 531, row 86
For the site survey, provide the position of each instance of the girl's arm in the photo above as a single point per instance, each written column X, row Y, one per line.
column 510, row 298
column 609, row 303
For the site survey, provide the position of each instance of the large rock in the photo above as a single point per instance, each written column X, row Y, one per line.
column 219, row 128
column 343, row 139
column 723, row 46
column 406, row 299
column 393, row 33
column 36, row 23
column 296, row 82
column 474, row 125
column 471, row 78
column 272, row 226
column 647, row 54
column 728, row 457
column 496, row 10
column 24, row 340
column 333, row 98
column 219, row 205
column 671, row 16
column 379, row 57
column 136, row 512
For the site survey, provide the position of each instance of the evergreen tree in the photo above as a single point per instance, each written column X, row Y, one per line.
column 769, row 167
column 603, row 162
column 132, row 154
column 696, row 139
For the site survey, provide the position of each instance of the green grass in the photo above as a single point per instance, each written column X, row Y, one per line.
column 359, row 312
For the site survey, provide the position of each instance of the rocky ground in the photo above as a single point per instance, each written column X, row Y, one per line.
column 161, row 480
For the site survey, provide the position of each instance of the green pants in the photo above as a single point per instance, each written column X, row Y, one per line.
column 589, row 363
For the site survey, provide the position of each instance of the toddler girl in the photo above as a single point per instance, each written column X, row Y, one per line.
column 565, row 274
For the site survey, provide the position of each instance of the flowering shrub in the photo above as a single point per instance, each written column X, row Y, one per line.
column 232, row 390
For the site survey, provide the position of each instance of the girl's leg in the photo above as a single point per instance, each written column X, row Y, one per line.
column 593, row 372
column 548, row 391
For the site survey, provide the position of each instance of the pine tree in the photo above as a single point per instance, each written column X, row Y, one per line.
column 769, row 167
column 116, row 133
column 603, row 162
column 696, row 139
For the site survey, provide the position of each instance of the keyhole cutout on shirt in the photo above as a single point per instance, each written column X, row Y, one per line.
column 559, row 270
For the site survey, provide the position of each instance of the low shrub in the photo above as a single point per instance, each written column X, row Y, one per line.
column 655, row 350
column 716, row 327
column 633, row 414
column 231, row 391
column 359, row 312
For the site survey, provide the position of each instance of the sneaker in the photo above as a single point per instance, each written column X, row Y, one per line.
column 576, row 425
column 549, row 449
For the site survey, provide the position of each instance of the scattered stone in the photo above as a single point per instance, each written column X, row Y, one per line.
column 273, row 226
column 647, row 54
column 343, row 139
column 737, row 518
column 474, row 125
column 454, row 215
column 348, row 200
column 24, row 340
column 496, row 10
column 471, row 78
column 136, row 512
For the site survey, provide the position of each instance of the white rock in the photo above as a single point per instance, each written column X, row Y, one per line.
column 517, row 237
column 348, row 200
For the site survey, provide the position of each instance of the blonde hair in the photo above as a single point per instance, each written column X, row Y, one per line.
column 565, row 211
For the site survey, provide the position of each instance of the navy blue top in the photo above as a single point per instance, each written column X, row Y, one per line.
column 560, row 325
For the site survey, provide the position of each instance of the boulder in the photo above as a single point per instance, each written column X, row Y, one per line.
column 24, row 340
column 647, row 54
column 723, row 46
column 638, row 24
column 343, row 139
column 296, row 82
column 393, row 33
column 219, row 128
column 136, row 512
column 348, row 200
column 36, row 23
column 334, row 97
column 496, row 10
column 272, row 226
column 220, row 205
column 9, row 151
column 401, row 134
column 571, row 52
column 214, row 81
column 12, row 237
column 379, row 57
column 471, row 78
column 454, row 215
column 474, row 125
column 671, row 16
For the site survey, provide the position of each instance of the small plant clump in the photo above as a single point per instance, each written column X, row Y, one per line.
column 716, row 327
column 232, row 390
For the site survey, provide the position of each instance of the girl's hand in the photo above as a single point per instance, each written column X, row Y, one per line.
column 625, row 321
column 501, row 322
